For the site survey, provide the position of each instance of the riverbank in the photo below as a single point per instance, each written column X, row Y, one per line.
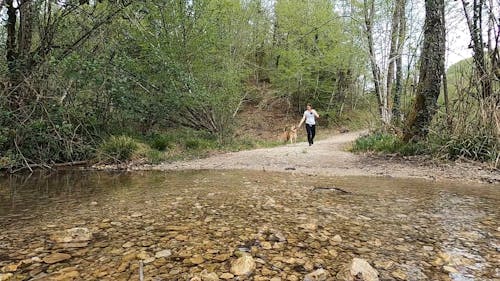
column 329, row 157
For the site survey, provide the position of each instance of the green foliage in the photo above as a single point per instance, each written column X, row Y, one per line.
column 197, row 143
column 316, row 54
column 38, row 139
column 388, row 143
column 196, row 140
column 361, row 118
column 478, row 146
column 154, row 156
column 164, row 66
column 117, row 149
column 162, row 141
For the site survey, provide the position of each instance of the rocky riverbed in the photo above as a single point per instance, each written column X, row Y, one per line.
column 246, row 225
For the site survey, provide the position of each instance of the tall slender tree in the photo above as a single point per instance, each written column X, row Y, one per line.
column 369, row 15
column 395, row 58
column 431, row 71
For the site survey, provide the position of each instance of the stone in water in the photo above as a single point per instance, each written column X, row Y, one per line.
column 244, row 265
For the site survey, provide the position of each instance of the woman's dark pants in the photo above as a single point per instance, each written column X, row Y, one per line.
column 311, row 132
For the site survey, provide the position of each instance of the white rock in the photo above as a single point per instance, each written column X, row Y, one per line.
column 73, row 235
column 5, row 276
column 270, row 203
column 128, row 244
column 337, row 238
column 358, row 268
column 226, row 276
column 428, row 248
column 212, row 276
column 317, row 275
column 244, row 265
column 163, row 254
column 136, row 215
column 450, row 269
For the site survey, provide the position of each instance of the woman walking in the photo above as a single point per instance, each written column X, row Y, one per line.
column 309, row 117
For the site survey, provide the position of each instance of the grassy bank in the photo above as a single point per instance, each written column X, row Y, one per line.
column 476, row 147
column 179, row 144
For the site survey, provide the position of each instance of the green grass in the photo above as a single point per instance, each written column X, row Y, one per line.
column 353, row 120
column 154, row 156
column 184, row 144
column 117, row 149
column 162, row 142
column 388, row 143
column 477, row 147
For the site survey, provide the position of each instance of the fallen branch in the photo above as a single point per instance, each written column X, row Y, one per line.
column 336, row 189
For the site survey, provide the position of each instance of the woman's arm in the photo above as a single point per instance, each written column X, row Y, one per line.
column 315, row 113
column 302, row 120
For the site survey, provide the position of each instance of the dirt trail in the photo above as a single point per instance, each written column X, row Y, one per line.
column 328, row 158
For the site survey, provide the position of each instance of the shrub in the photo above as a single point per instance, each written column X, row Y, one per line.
column 162, row 142
column 155, row 157
column 8, row 160
column 118, row 149
column 479, row 146
column 388, row 143
column 195, row 143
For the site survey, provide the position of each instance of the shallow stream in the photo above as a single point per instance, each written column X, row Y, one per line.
column 291, row 224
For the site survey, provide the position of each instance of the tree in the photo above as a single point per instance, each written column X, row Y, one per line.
column 431, row 71
column 26, row 50
column 486, row 66
column 369, row 15
column 475, row 24
column 398, row 30
column 315, row 58
column 386, row 60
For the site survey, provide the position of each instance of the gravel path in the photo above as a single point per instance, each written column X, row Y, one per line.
column 328, row 158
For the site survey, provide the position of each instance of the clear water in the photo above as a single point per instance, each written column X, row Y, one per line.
column 413, row 229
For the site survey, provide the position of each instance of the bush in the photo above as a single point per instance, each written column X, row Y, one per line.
column 118, row 149
column 478, row 147
column 155, row 157
column 8, row 160
column 195, row 143
column 388, row 143
column 162, row 142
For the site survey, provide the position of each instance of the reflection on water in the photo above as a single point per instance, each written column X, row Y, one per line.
column 406, row 229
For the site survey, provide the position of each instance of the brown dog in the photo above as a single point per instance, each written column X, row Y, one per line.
column 292, row 134
column 289, row 134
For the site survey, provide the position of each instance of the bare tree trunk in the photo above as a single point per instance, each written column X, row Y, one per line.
column 449, row 121
column 393, row 50
column 369, row 13
column 494, row 35
column 431, row 71
column 396, row 105
column 26, row 19
column 11, row 39
column 476, row 32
